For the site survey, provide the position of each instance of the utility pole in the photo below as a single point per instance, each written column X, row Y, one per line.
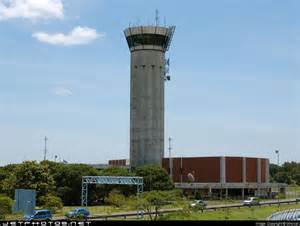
column 45, row 150
column 170, row 158
column 277, row 152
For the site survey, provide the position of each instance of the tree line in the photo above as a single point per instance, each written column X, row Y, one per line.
column 64, row 180
column 288, row 173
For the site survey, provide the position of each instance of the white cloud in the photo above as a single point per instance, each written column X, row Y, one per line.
column 31, row 9
column 78, row 36
column 63, row 92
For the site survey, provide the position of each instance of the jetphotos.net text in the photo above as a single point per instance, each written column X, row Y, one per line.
column 45, row 223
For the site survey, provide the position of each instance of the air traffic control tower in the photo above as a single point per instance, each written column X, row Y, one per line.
column 148, row 45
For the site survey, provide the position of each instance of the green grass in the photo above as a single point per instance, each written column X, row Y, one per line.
column 245, row 213
column 293, row 192
column 94, row 210
column 258, row 213
column 14, row 217
column 105, row 209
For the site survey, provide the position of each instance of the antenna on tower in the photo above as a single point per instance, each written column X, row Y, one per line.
column 45, row 150
column 167, row 70
column 156, row 18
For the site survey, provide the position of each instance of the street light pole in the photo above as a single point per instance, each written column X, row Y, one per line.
column 45, row 149
column 170, row 159
column 277, row 153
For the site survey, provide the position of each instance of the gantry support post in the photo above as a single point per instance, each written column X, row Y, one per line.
column 84, row 193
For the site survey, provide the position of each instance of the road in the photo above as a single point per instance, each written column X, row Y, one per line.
column 130, row 214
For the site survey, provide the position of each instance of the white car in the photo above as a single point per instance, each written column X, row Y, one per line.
column 198, row 203
column 252, row 201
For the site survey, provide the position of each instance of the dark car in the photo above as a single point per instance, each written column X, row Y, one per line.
column 78, row 213
column 39, row 215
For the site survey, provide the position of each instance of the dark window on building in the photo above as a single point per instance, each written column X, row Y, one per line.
column 147, row 39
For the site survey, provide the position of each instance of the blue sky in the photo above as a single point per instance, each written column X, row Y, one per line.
column 64, row 69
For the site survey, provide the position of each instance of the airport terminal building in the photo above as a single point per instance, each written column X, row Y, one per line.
column 219, row 176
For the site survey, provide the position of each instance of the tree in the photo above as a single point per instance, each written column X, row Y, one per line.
column 288, row 166
column 7, row 180
column 283, row 177
column 51, row 202
column 104, row 190
column 7, row 185
column 296, row 178
column 155, row 178
column 5, row 206
column 3, row 173
column 153, row 201
column 116, row 199
column 68, row 178
column 31, row 175
column 273, row 169
column 289, row 173
column 116, row 171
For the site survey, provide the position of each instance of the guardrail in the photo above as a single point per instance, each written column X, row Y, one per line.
column 132, row 214
column 268, row 203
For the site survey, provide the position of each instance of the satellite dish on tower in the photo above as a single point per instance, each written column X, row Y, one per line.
column 191, row 177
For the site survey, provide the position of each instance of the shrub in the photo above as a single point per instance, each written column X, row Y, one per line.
column 6, row 204
column 78, row 216
column 115, row 199
column 281, row 196
column 155, row 178
column 51, row 202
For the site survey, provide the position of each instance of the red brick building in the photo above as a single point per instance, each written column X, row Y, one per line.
column 218, row 176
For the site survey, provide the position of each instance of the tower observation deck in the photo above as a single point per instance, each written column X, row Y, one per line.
column 148, row 45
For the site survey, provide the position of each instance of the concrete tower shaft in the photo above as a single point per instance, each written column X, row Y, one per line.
column 148, row 46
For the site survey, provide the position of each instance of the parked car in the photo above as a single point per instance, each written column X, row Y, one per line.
column 273, row 195
column 39, row 215
column 298, row 199
column 252, row 201
column 78, row 213
column 198, row 204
